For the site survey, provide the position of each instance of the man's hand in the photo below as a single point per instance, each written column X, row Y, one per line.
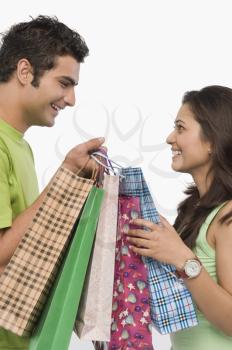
column 78, row 160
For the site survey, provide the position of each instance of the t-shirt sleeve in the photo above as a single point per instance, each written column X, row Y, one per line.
column 5, row 201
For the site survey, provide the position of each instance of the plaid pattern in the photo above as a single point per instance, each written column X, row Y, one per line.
column 27, row 279
column 56, row 324
column 171, row 304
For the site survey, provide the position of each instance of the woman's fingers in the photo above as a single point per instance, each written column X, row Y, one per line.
column 138, row 233
column 145, row 223
column 139, row 242
column 141, row 251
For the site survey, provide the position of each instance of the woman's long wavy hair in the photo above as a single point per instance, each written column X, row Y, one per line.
column 212, row 109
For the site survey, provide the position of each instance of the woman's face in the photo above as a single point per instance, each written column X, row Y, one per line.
column 191, row 154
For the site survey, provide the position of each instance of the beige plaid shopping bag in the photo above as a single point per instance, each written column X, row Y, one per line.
column 27, row 279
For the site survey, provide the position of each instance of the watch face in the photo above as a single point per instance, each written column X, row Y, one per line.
column 192, row 268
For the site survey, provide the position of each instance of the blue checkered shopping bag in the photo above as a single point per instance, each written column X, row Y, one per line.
column 172, row 308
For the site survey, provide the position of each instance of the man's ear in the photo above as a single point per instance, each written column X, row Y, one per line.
column 24, row 71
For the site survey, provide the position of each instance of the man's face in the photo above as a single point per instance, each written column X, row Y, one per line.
column 55, row 91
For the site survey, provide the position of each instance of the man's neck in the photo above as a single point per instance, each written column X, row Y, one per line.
column 10, row 110
column 12, row 121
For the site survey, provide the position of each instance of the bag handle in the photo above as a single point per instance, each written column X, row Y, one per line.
column 108, row 164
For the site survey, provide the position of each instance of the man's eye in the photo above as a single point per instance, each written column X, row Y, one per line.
column 63, row 84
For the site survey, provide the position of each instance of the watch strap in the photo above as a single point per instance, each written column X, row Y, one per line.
column 182, row 274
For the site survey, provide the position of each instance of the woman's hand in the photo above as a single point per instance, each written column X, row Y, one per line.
column 161, row 242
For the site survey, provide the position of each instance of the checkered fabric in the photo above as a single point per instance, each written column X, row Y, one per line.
column 171, row 304
column 27, row 279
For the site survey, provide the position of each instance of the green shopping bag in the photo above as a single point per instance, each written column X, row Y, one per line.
column 56, row 324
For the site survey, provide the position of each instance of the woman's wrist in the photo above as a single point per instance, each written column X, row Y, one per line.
column 185, row 255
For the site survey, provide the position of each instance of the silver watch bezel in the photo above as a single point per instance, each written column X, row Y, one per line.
column 189, row 265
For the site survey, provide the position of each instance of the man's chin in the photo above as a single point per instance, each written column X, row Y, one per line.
column 48, row 123
column 51, row 123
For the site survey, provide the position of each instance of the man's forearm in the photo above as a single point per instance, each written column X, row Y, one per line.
column 77, row 161
column 10, row 237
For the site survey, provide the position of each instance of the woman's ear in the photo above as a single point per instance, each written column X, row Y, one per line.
column 210, row 148
column 24, row 71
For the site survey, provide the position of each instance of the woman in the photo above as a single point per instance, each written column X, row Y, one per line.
column 200, row 242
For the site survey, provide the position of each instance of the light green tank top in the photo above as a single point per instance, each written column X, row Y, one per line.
column 204, row 336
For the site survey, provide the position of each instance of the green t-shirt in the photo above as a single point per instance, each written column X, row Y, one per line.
column 18, row 190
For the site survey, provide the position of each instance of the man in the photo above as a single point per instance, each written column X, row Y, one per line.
column 39, row 68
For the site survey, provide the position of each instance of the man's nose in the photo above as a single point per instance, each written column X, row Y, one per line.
column 70, row 97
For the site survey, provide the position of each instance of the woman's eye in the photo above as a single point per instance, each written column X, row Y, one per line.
column 178, row 127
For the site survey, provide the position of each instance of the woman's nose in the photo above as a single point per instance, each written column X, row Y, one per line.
column 170, row 138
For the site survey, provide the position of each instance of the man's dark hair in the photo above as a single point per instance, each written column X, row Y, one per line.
column 40, row 41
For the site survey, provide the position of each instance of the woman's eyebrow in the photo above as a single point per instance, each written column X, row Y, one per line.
column 179, row 121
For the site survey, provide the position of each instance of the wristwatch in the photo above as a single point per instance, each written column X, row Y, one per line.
column 191, row 269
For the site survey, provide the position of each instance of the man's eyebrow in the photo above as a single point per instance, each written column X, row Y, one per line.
column 179, row 121
column 70, row 80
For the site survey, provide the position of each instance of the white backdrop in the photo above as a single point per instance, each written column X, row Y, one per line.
column 143, row 56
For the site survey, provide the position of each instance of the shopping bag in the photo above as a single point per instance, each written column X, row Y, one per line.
column 172, row 308
column 55, row 326
column 94, row 315
column 26, row 281
column 131, row 321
